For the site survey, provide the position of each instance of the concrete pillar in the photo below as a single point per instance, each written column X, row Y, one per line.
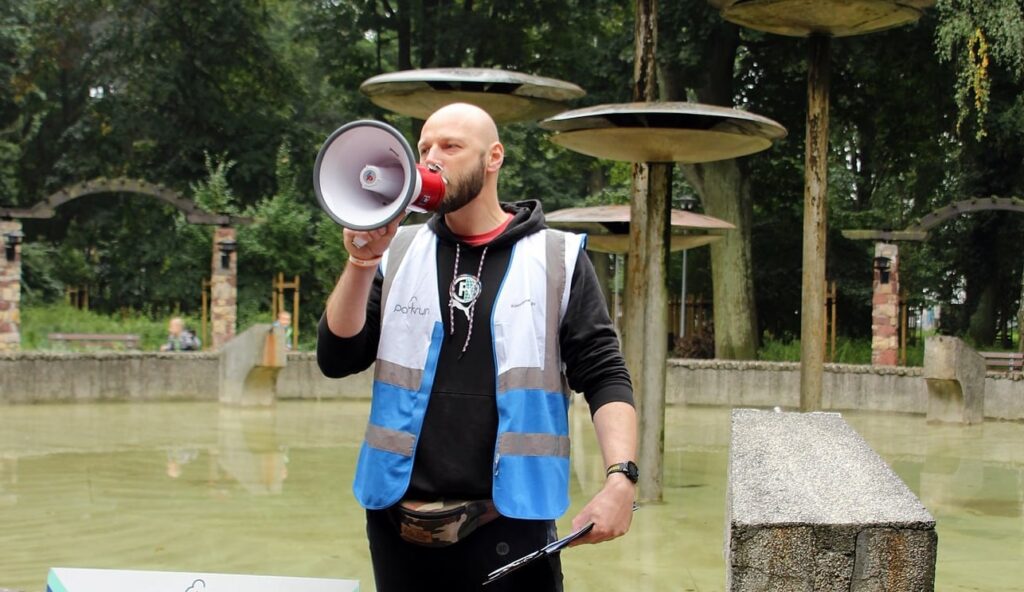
column 10, row 288
column 223, row 287
column 885, row 307
column 815, row 226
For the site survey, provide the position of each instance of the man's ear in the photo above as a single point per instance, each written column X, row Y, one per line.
column 495, row 157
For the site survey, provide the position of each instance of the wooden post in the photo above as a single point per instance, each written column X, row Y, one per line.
column 903, row 328
column 1020, row 316
column 646, row 344
column 295, row 315
column 812, row 311
column 832, row 357
column 277, row 288
column 204, row 335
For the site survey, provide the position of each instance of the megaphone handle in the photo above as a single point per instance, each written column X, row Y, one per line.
column 359, row 242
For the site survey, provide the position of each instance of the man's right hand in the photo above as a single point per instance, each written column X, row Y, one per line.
column 371, row 244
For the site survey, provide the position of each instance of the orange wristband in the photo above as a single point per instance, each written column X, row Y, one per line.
column 364, row 262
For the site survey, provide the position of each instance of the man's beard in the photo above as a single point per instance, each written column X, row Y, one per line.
column 461, row 190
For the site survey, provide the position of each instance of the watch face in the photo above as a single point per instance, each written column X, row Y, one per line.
column 629, row 469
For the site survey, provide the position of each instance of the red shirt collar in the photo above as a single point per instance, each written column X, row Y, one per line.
column 478, row 240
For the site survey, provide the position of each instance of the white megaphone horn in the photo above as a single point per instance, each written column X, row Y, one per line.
column 366, row 176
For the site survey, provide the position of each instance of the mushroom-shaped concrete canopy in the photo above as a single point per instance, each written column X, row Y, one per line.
column 507, row 96
column 608, row 227
column 663, row 132
column 836, row 18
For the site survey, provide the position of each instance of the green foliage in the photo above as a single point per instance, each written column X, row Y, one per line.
column 38, row 321
column 977, row 35
column 214, row 194
column 232, row 100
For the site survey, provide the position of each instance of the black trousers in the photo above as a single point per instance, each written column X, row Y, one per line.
column 399, row 566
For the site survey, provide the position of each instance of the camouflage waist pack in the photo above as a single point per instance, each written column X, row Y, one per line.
column 444, row 522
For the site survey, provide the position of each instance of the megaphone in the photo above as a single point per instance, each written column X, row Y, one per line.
column 366, row 176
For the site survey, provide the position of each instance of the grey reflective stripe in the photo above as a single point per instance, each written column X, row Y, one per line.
column 400, row 376
column 531, row 378
column 396, row 253
column 514, row 444
column 555, row 248
column 390, row 440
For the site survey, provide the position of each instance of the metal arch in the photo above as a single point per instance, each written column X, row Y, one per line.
column 193, row 213
column 977, row 204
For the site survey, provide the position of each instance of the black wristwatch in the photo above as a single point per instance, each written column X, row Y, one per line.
column 628, row 468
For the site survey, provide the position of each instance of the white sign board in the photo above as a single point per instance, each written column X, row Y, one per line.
column 66, row 579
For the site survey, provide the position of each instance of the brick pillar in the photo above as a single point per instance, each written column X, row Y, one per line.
column 885, row 308
column 223, row 289
column 10, row 289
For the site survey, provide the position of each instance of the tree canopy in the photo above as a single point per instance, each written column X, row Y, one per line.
column 228, row 102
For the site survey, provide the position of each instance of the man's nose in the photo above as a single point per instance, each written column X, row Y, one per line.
column 431, row 156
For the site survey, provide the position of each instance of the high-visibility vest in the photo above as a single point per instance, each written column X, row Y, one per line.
column 531, row 457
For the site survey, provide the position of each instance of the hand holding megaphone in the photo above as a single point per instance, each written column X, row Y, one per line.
column 366, row 176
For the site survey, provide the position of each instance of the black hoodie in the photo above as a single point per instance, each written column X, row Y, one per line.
column 456, row 446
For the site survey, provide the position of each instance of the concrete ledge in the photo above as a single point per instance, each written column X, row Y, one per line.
column 811, row 507
column 40, row 377
column 48, row 377
column 846, row 387
column 955, row 376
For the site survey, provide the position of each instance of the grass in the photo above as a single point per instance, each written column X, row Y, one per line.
column 39, row 321
column 848, row 351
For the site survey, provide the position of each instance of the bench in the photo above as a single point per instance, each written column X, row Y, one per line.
column 95, row 340
column 1003, row 361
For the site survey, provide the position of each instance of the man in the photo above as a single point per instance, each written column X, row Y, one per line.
column 179, row 338
column 471, row 320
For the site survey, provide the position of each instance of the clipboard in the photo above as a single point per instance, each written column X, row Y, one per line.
column 549, row 549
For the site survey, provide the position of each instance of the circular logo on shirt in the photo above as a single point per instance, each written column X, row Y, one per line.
column 464, row 290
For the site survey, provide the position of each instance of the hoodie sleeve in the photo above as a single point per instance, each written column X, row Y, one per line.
column 590, row 346
column 341, row 356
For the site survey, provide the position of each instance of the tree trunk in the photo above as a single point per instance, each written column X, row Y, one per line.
column 725, row 190
column 1020, row 315
column 404, row 32
column 982, row 324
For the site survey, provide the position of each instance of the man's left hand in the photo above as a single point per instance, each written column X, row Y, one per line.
column 611, row 511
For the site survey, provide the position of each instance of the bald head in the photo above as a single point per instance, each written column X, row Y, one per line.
column 462, row 140
column 469, row 119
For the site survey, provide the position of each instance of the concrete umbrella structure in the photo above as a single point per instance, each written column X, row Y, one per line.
column 663, row 132
column 819, row 20
column 607, row 227
column 507, row 96
column 656, row 135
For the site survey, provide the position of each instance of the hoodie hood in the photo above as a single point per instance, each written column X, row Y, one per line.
column 528, row 218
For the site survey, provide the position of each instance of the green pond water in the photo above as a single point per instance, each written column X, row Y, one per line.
column 197, row 487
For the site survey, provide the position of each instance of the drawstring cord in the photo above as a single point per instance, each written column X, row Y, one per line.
column 463, row 293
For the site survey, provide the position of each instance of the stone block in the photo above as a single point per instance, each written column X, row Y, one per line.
column 811, row 507
column 955, row 376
